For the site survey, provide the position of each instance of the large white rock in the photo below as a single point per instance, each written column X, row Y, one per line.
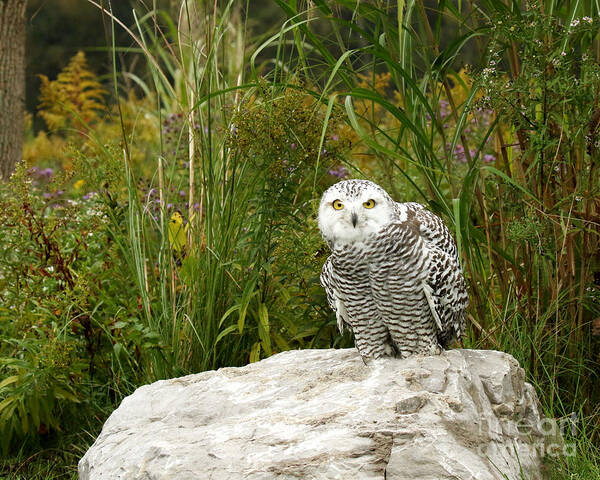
column 323, row 414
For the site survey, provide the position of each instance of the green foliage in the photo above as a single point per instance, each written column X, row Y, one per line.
column 508, row 155
column 289, row 146
column 549, row 191
column 63, row 315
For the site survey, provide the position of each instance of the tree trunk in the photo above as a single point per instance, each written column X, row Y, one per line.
column 12, row 83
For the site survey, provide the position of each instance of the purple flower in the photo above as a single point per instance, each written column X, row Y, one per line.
column 46, row 172
column 444, row 111
column 293, row 146
column 340, row 171
column 489, row 158
column 335, row 138
column 89, row 195
column 182, row 193
column 459, row 153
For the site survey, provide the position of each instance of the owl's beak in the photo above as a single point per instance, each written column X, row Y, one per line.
column 354, row 219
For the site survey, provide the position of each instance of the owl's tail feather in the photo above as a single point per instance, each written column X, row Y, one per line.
column 453, row 332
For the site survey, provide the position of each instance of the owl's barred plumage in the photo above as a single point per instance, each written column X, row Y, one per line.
column 393, row 276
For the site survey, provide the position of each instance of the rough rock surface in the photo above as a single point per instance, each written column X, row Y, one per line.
column 323, row 414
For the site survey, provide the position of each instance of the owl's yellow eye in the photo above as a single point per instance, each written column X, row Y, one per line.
column 337, row 204
column 369, row 203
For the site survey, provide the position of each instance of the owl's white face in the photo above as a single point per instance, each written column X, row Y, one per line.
column 351, row 211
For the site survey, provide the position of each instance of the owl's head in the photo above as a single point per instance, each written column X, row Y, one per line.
column 351, row 211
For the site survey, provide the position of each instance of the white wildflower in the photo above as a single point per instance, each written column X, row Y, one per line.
column 575, row 22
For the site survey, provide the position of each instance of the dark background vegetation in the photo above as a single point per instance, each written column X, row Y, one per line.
column 58, row 29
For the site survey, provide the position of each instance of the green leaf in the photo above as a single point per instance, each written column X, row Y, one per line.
column 263, row 328
column 34, row 411
column 9, row 380
column 224, row 333
column 24, row 419
column 510, row 181
column 118, row 349
column 7, row 409
column 249, row 292
column 255, row 353
column 235, row 308
column 63, row 394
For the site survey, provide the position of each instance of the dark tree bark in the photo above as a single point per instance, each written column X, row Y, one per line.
column 12, row 83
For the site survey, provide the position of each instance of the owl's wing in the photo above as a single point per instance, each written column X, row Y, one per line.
column 435, row 232
column 334, row 300
column 445, row 286
column 446, row 293
column 432, row 228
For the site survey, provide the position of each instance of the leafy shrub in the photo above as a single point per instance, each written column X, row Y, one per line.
column 66, row 320
column 549, row 190
column 291, row 151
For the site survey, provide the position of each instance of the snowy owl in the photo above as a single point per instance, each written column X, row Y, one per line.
column 393, row 276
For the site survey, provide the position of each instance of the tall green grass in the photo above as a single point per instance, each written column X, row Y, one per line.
column 528, row 234
column 220, row 296
column 196, row 67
